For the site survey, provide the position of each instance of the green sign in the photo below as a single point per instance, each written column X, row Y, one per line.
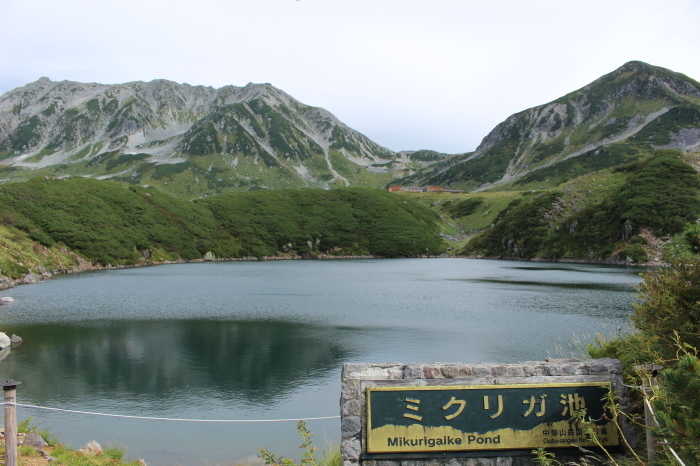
column 485, row 417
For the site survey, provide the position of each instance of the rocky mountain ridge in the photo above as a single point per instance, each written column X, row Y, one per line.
column 193, row 141
column 201, row 139
column 620, row 117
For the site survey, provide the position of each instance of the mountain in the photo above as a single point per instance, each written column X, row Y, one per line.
column 621, row 117
column 194, row 141
column 187, row 140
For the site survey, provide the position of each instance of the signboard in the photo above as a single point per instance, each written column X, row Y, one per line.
column 485, row 417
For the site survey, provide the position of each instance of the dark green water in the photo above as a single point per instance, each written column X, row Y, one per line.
column 266, row 340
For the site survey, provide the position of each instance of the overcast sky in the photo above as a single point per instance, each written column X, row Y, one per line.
column 408, row 74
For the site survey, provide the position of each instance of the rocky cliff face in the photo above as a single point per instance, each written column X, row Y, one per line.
column 194, row 139
column 619, row 117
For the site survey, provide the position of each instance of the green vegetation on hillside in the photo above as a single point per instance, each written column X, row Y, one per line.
column 466, row 214
column 660, row 193
column 19, row 254
column 471, row 173
column 522, row 232
column 308, row 221
column 427, row 156
column 463, row 208
column 111, row 224
column 598, row 159
column 24, row 137
column 659, row 131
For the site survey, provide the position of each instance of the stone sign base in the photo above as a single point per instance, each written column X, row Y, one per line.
column 356, row 378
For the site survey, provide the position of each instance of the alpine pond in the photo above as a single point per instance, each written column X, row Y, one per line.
column 266, row 340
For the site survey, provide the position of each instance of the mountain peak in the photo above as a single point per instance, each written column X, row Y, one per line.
column 620, row 117
column 191, row 140
column 39, row 83
column 635, row 65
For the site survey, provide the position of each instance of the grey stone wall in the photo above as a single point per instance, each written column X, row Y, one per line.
column 357, row 377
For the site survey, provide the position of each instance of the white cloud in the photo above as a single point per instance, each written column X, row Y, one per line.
column 409, row 74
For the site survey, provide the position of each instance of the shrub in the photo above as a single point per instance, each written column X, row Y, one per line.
column 331, row 457
column 692, row 235
column 112, row 224
column 313, row 221
column 669, row 306
column 667, row 319
column 634, row 251
column 636, row 239
column 465, row 207
column 663, row 195
column 677, row 406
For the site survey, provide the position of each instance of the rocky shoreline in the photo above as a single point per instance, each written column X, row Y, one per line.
column 579, row 261
column 43, row 274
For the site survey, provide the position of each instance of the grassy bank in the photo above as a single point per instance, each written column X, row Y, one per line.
column 20, row 255
column 54, row 452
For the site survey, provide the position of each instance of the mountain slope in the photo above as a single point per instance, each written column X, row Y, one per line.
column 641, row 203
column 190, row 140
column 195, row 141
column 620, row 117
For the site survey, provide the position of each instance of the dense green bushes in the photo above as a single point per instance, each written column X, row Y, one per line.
column 521, row 232
column 662, row 193
column 312, row 221
column 667, row 323
column 112, row 224
column 109, row 223
column 669, row 307
column 677, row 405
column 463, row 208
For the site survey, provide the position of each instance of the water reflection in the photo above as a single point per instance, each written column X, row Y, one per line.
column 583, row 268
column 262, row 360
column 254, row 361
column 568, row 285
